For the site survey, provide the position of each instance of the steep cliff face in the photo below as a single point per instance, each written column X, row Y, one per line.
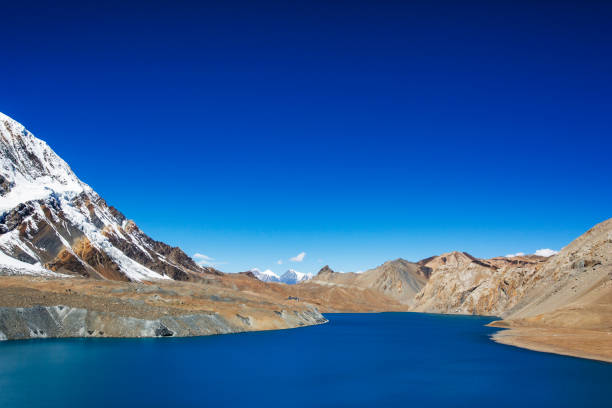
column 461, row 283
column 52, row 223
column 398, row 279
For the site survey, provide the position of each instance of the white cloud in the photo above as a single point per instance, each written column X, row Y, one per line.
column 280, row 262
column 517, row 254
column 541, row 252
column 299, row 257
column 202, row 257
column 546, row 252
column 205, row 260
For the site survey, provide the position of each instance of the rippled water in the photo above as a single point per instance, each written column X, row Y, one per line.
column 369, row 360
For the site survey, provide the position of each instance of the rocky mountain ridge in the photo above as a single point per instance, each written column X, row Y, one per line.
column 290, row 277
column 54, row 224
column 397, row 279
column 463, row 284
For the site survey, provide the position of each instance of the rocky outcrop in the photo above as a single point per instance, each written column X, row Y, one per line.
column 462, row 284
column 326, row 270
column 5, row 186
column 13, row 218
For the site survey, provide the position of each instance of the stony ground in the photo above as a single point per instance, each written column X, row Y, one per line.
column 108, row 302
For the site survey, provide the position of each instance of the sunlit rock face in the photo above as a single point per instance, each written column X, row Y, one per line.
column 461, row 283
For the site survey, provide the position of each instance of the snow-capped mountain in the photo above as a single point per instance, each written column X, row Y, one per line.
column 291, row 277
column 265, row 276
column 51, row 223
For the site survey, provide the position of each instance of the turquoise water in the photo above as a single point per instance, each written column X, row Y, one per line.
column 356, row 360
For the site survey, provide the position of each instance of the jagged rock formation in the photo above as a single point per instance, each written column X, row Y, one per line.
column 461, row 283
column 50, row 221
column 326, row 270
column 398, row 279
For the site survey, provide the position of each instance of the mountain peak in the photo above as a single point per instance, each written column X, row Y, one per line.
column 398, row 261
column 449, row 258
column 30, row 169
column 70, row 228
column 265, row 276
column 398, row 279
column 325, row 269
column 292, row 276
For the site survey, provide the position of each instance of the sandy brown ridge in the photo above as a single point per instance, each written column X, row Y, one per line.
column 589, row 344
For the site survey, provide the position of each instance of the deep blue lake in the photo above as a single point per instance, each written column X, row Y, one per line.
column 356, row 360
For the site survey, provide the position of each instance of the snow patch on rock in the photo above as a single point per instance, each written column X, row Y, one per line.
column 11, row 266
column 32, row 169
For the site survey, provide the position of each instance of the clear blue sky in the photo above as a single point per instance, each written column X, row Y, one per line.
column 356, row 132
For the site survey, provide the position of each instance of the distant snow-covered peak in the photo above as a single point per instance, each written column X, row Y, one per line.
column 292, row 277
column 265, row 276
